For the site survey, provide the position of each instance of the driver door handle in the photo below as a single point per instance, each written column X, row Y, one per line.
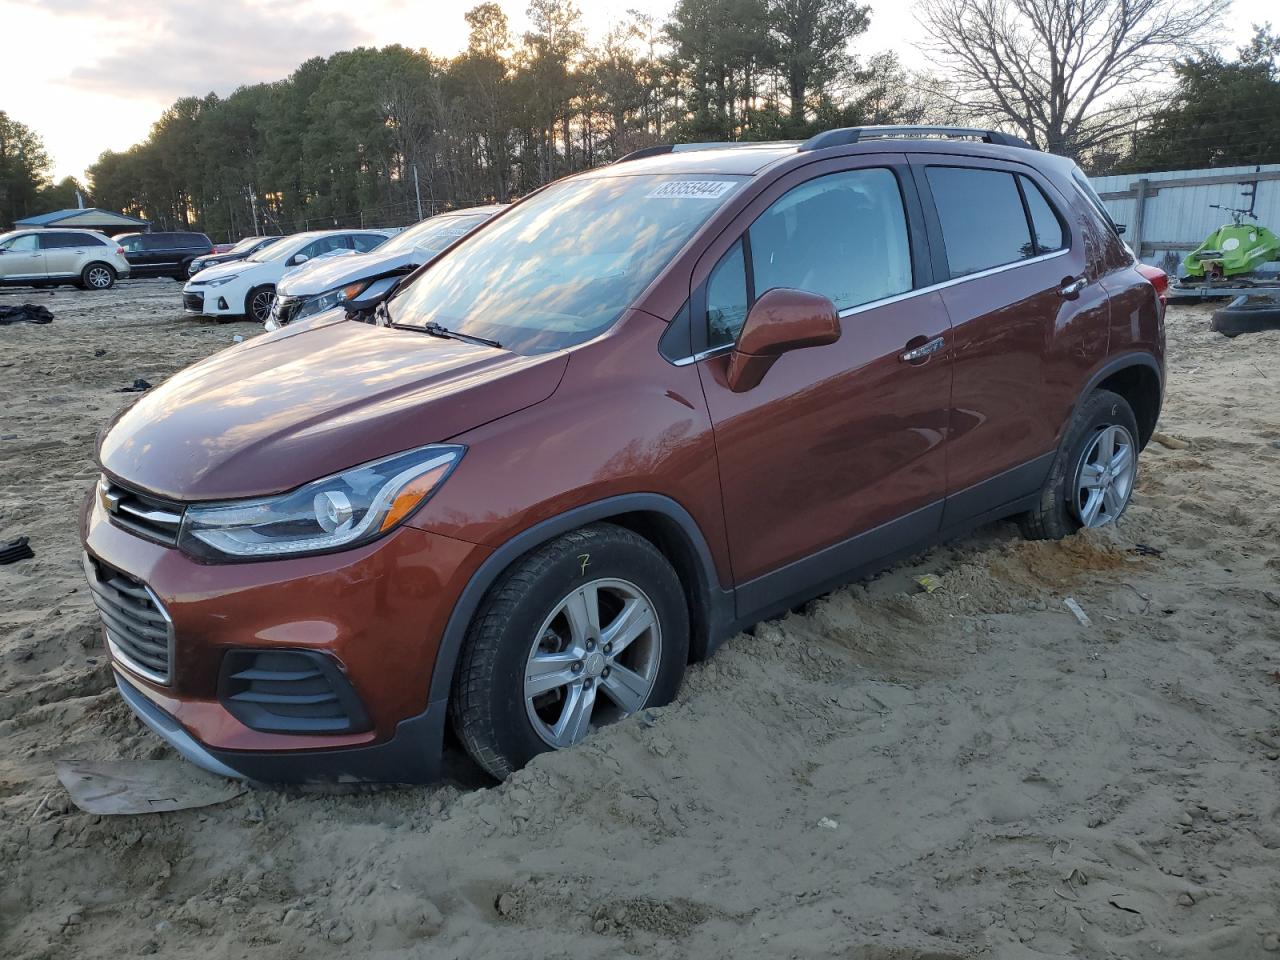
column 1071, row 289
column 922, row 352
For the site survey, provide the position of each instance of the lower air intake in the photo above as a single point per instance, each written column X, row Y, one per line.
column 290, row 691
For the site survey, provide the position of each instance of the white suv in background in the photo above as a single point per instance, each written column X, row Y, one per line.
column 248, row 287
column 37, row 258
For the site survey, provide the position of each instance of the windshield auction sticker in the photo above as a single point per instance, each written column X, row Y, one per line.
column 691, row 190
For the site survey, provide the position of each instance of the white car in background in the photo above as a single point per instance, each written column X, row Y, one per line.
column 248, row 287
column 366, row 279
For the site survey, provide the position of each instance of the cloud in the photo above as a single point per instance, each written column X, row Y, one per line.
column 192, row 47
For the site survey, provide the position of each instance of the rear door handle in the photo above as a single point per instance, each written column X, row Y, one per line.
column 922, row 352
column 1071, row 289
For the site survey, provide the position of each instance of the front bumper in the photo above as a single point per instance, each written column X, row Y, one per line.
column 208, row 301
column 411, row 755
column 377, row 612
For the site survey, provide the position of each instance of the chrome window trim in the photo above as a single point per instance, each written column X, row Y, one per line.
column 897, row 298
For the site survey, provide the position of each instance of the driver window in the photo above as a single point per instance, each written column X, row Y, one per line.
column 26, row 244
column 843, row 235
column 324, row 245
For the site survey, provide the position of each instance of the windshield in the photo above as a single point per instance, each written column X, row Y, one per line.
column 434, row 234
column 561, row 267
column 282, row 249
column 248, row 243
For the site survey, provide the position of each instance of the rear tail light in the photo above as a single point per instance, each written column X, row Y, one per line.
column 120, row 250
column 1158, row 279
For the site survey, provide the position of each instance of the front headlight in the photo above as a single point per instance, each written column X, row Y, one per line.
column 331, row 299
column 221, row 280
column 333, row 513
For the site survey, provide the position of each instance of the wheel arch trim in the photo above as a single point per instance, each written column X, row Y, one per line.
column 451, row 641
column 1114, row 365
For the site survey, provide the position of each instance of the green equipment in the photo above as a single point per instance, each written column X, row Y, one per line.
column 1233, row 249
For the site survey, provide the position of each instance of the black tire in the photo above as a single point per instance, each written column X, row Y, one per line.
column 1056, row 516
column 488, row 706
column 254, row 304
column 97, row 276
column 1253, row 316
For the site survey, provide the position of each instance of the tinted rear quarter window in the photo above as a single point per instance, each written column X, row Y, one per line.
column 54, row 241
column 1045, row 224
column 983, row 223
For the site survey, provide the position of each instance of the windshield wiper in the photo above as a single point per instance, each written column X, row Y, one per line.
column 436, row 330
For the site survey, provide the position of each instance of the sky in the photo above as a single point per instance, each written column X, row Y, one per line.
column 92, row 75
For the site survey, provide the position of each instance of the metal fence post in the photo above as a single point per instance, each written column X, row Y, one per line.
column 1140, row 209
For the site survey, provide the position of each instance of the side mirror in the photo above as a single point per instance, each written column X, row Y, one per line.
column 299, row 258
column 781, row 320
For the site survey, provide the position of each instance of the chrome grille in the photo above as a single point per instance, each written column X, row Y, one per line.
column 139, row 631
column 141, row 513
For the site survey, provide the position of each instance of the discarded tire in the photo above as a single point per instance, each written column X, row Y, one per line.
column 1252, row 316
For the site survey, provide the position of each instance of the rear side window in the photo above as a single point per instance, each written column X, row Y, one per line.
column 156, row 241
column 193, row 240
column 843, row 235
column 983, row 223
column 53, row 241
column 365, row 242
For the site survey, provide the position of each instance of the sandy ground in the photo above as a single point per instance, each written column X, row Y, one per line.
column 889, row 775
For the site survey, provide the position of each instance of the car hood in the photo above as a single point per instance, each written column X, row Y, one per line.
column 225, row 269
column 323, row 275
column 283, row 409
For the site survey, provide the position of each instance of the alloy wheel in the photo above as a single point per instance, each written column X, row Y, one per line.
column 260, row 305
column 1104, row 476
column 603, row 638
column 99, row 278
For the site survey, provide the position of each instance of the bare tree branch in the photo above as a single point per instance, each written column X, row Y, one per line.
column 1061, row 71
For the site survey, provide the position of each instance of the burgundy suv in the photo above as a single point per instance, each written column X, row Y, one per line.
column 640, row 410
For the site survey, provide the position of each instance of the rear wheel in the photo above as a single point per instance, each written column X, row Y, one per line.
column 1094, row 473
column 97, row 276
column 257, row 304
column 583, row 631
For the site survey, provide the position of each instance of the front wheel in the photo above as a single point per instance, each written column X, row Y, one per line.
column 257, row 305
column 1094, row 473
column 97, row 276
column 585, row 630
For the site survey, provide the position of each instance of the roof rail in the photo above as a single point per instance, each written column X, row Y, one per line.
column 847, row 135
column 662, row 148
